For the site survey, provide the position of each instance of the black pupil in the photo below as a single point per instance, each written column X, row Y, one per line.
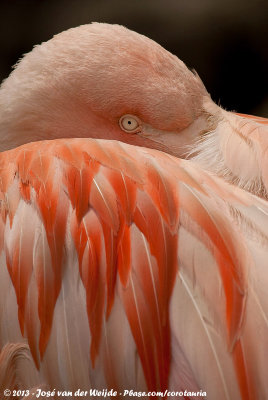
column 129, row 122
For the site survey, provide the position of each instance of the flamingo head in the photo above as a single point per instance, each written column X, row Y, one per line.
column 103, row 81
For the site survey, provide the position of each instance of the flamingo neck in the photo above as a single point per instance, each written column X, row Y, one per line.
column 226, row 152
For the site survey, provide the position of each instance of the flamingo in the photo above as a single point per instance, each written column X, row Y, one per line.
column 125, row 267
column 105, row 81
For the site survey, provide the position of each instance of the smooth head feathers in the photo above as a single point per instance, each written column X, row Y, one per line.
column 82, row 81
column 79, row 83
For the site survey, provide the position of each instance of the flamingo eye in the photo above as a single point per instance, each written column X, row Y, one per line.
column 129, row 123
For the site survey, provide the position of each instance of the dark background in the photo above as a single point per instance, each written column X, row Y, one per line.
column 224, row 41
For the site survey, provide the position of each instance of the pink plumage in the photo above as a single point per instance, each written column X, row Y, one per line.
column 122, row 266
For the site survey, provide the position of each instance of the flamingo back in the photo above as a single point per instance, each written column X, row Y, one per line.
column 127, row 268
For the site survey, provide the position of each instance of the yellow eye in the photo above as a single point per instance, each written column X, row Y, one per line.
column 129, row 123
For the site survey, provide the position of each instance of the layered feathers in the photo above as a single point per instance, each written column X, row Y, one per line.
column 145, row 251
column 123, row 267
column 235, row 149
